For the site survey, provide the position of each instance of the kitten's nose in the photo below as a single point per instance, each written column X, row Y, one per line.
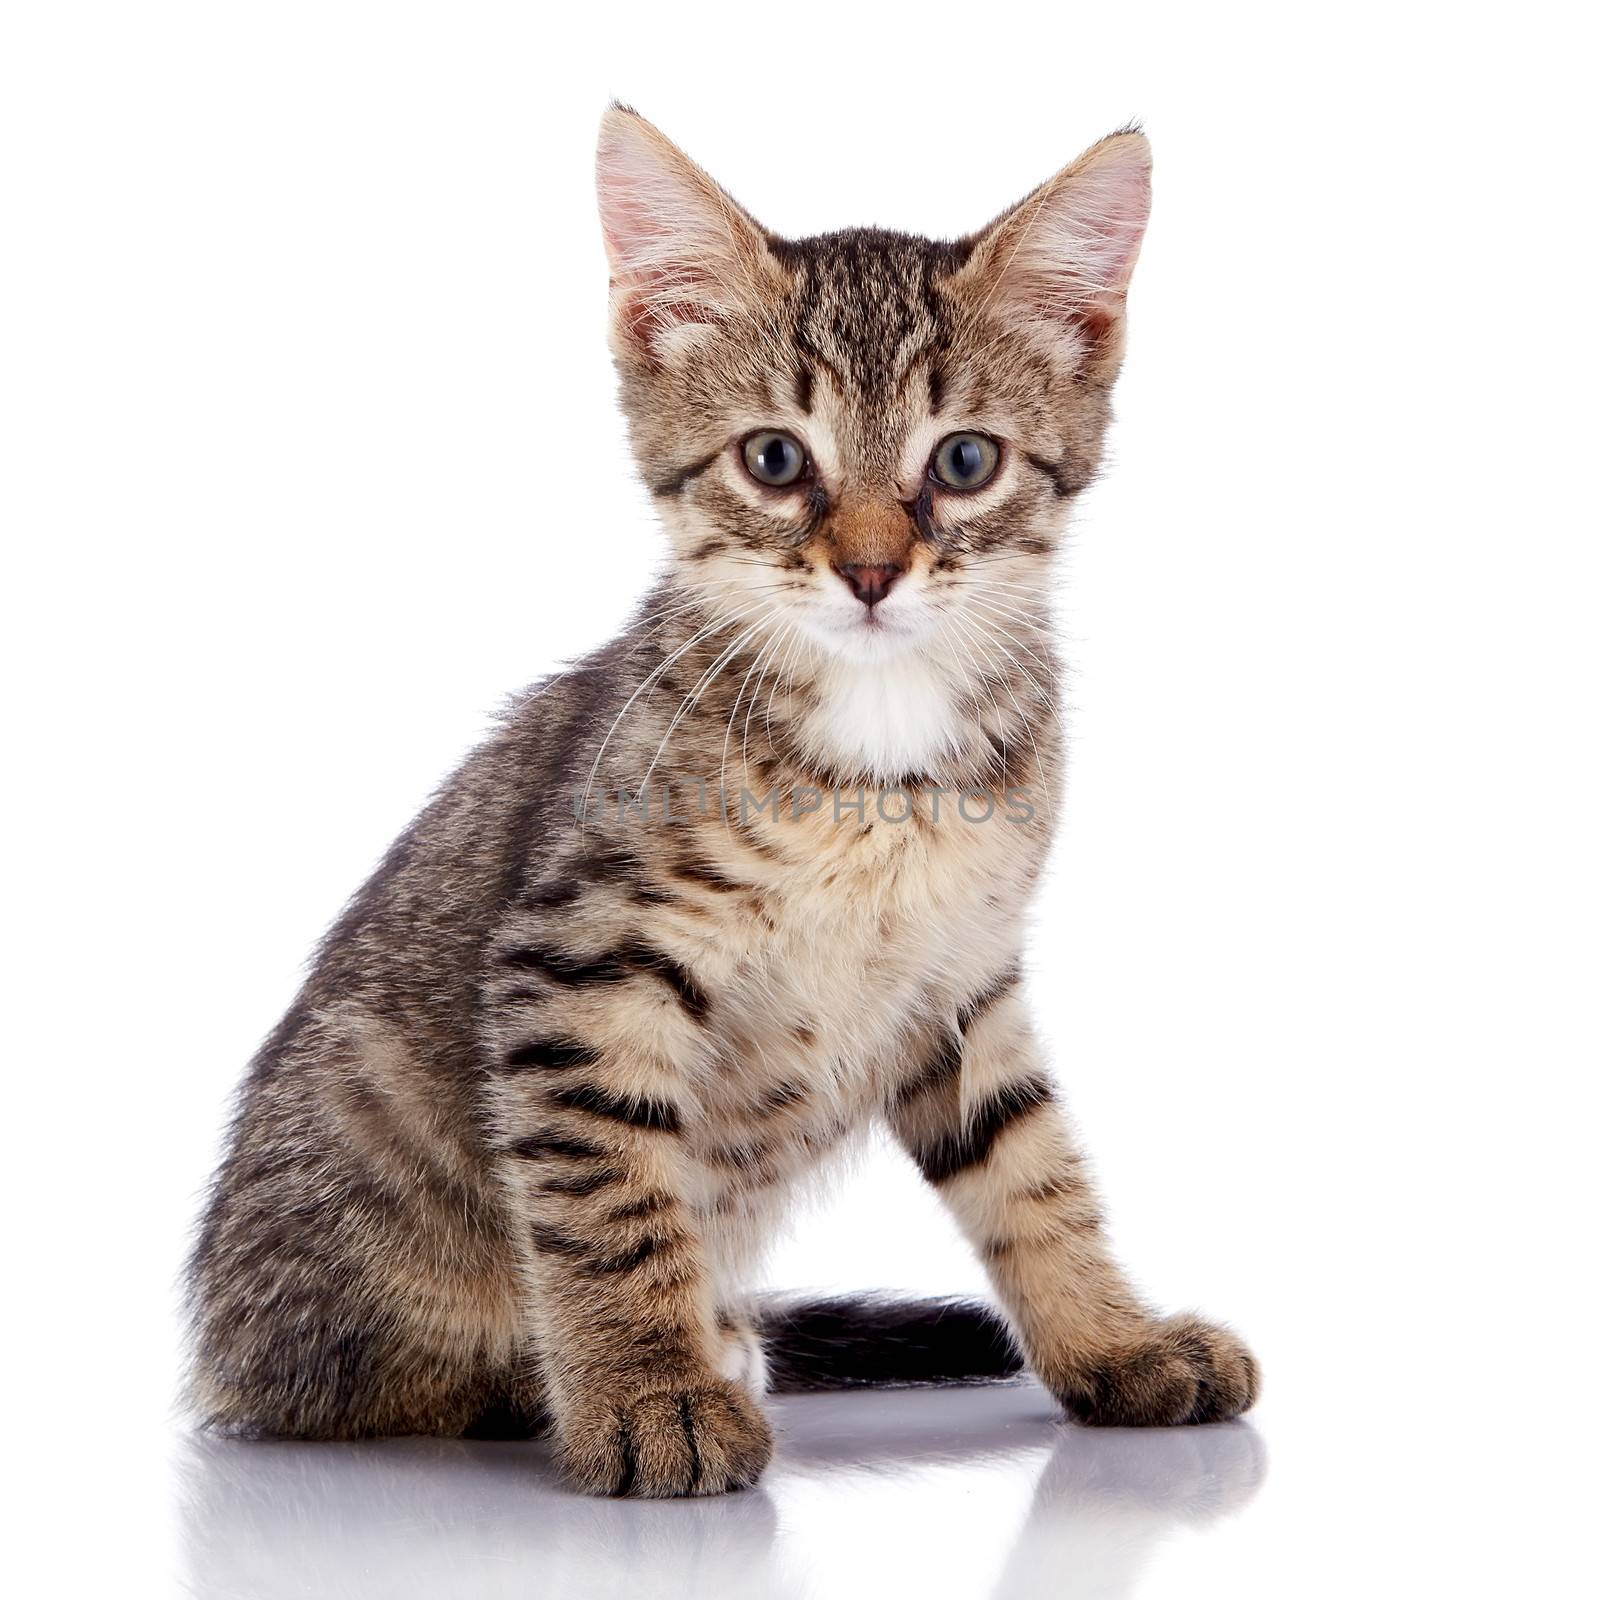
column 869, row 584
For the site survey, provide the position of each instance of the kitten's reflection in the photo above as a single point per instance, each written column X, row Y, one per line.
column 443, row 1518
column 1103, row 1502
column 1107, row 1497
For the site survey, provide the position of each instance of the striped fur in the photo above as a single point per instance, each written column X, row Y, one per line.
column 561, row 1064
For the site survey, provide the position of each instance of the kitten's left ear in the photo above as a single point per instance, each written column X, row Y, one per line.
column 681, row 251
column 1061, row 259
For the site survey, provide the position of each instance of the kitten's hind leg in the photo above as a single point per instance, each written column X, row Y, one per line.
column 743, row 1358
column 353, row 1276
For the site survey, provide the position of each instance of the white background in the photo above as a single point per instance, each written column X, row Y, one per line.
column 309, row 455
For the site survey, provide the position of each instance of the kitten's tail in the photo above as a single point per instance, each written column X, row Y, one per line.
column 856, row 1342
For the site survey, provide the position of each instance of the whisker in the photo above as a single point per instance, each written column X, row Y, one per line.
column 1005, row 683
column 777, row 682
column 710, row 628
column 986, row 687
column 1026, row 675
column 691, row 699
column 728, row 736
column 990, row 607
column 744, row 742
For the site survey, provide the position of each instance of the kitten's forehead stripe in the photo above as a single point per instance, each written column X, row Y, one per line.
column 864, row 295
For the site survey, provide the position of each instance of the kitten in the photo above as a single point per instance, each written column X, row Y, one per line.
column 742, row 881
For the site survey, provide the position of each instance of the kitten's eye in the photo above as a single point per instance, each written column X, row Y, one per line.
column 775, row 459
column 965, row 460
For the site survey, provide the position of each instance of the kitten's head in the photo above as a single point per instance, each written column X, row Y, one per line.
column 868, row 436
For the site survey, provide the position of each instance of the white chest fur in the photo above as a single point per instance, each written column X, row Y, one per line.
column 890, row 717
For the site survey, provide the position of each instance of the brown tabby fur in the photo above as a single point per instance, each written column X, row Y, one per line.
column 514, row 1151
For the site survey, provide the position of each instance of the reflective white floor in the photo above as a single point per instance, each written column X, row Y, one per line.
column 967, row 1492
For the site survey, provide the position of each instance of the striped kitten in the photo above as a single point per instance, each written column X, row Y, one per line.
column 745, row 879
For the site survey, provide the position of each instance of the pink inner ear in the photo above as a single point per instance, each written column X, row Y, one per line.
column 1067, row 258
column 653, row 288
column 673, row 257
column 1097, row 322
column 632, row 221
column 623, row 220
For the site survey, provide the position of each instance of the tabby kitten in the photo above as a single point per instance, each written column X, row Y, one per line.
column 745, row 879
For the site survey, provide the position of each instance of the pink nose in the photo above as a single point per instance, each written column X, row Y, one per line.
column 869, row 584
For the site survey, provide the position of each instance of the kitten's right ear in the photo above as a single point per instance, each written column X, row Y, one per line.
column 1060, row 260
column 682, row 253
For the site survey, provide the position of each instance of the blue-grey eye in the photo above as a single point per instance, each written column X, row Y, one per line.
column 775, row 459
column 965, row 460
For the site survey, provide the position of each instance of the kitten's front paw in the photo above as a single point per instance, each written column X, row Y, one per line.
column 706, row 1439
column 1181, row 1370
